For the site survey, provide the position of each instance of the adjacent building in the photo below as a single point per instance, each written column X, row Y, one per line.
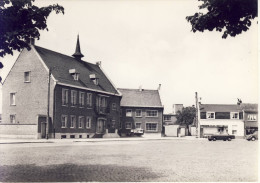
column 76, row 95
column 250, row 112
column 141, row 109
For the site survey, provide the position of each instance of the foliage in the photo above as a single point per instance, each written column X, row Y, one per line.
column 231, row 16
column 186, row 116
column 20, row 20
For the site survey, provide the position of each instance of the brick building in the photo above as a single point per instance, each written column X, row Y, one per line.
column 81, row 100
column 143, row 109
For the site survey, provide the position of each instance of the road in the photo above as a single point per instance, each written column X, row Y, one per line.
column 114, row 161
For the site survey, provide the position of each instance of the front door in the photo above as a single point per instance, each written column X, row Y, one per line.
column 100, row 125
column 43, row 130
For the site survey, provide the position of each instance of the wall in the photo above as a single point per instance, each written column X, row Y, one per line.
column 31, row 98
column 83, row 111
column 143, row 119
column 18, row 131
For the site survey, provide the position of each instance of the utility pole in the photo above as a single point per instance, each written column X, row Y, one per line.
column 197, row 115
column 48, row 105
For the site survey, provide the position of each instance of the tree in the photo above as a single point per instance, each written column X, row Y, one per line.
column 186, row 116
column 231, row 16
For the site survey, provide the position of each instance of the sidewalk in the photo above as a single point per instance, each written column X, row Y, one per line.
column 22, row 141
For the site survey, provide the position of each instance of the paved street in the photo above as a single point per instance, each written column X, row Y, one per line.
column 153, row 160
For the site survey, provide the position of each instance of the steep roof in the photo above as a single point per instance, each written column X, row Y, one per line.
column 228, row 107
column 60, row 65
column 220, row 108
column 137, row 98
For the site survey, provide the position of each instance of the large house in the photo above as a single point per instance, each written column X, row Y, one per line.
column 141, row 109
column 224, row 118
column 78, row 97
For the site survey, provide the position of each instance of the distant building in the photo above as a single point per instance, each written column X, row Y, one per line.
column 176, row 108
column 141, row 108
column 83, row 102
column 233, row 119
column 169, row 119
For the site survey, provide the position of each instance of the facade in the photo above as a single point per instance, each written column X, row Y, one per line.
column 169, row 119
column 221, row 118
column 141, row 109
column 250, row 112
column 78, row 97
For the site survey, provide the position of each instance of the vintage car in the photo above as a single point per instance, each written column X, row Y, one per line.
column 221, row 137
column 137, row 132
column 252, row 137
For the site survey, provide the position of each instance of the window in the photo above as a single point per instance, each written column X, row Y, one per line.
column 12, row 98
column 75, row 76
column 128, row 113
column 88, row 122
column 234, row 129
column 128, row 125
column 73, row 98
column 12, row 118
column 81, row 121
column 251, row 117
column 72, row 121
column 138, row 125
column 27, row 77
column 64, row 120
column 210, row 115
column 167, row 118
column 81, row 99
column 65, row 97
column 151, row 127
column 114, row 106
column 89, row 99
column 138, row 113
column 234, row 115
column 151, row 113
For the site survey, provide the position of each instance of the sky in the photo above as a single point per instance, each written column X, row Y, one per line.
column 149, row 42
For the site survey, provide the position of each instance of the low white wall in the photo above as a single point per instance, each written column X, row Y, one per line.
column 18, row 131
column 171, row 130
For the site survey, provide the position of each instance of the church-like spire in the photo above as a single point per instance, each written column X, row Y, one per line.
column 78, row 55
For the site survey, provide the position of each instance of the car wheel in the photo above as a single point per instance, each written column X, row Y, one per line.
column 224, row 139
column 209, row 139
column 253, row 138
column 214, row 139
column 229, row 139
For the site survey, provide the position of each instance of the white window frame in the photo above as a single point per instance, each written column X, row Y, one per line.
column 126, row 125
column 73, row 98
column 151, row 123
column 251, row 117
column 65, row 122
column 81, row 121
column 140, row 125
column 233, row 113
column 12, row 120
column 140, row 113
column 73, row 123
column 29, row 77
column 209, row 112
column 12, row 99
column 152, row 111
column 114, row 106
column 128, row 113
column 81, row 99
column 88, row 122
column 89, row 100
column 65, row 97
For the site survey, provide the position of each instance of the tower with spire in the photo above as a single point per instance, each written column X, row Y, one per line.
column 78, row 55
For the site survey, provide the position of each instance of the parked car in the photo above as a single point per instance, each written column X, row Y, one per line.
column 138, row 132
column 253, row 136
column 221, row 137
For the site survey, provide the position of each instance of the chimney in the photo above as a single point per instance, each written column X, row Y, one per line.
column 159, row 87
column 98, row 63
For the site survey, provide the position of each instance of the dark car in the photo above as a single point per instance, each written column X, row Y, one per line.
column 253, row 136
column 221, row 137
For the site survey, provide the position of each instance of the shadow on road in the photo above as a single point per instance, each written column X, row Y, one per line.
column 73, row 173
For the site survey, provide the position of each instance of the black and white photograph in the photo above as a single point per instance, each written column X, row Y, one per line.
column 129, row 91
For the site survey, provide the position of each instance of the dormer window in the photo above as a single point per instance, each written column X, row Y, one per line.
column 210, row 115
column 94, row 78
column 74, row 74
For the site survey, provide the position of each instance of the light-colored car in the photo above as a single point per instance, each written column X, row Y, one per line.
column 253, row 136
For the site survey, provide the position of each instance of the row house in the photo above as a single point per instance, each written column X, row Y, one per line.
column 231, row 119
column 78, row 97
column 141, row 109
